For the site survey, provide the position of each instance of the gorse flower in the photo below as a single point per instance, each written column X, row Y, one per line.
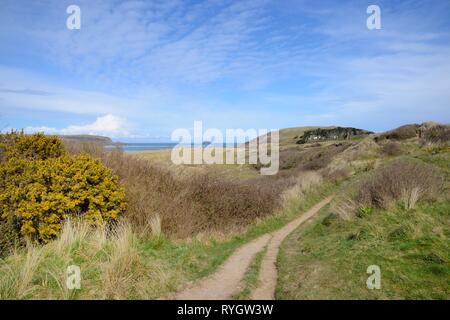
column 41, row 186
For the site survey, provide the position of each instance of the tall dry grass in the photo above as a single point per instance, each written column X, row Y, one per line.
column 407, row 181
column 437, row 134
column 403, row 181
column 303, row 185
column 111, row 262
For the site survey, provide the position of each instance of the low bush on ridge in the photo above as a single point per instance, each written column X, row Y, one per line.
column 439, row 134
column 403, row 181
column 391, row 149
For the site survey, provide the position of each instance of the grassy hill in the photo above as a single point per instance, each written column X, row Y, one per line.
column 394, row 212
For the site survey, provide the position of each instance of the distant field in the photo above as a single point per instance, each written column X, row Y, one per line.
column 163, row 158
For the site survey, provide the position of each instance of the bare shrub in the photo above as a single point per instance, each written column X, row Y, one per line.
column 336, row 174
column 391, row 149
column 9, row 236
column 401, row 133
column 93, row 149
column 438, row 134
column 311, row 158
column 402, row 180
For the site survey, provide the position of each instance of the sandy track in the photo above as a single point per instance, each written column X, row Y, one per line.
column 225, row 282
column 268, row 272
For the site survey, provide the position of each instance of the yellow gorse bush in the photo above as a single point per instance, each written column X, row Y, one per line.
column 36, row 146
column 41, row 186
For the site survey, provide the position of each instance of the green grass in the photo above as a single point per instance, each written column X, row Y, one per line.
column 329, row 259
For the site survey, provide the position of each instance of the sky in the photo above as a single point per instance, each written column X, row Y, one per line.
column 138, row 70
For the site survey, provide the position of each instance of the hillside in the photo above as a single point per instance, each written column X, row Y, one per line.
column 393, row 212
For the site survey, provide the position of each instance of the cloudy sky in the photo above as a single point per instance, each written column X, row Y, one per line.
column 137, row 70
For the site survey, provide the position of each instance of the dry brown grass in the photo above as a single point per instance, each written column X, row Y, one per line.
column 402, row 181
column 311, row 157
column 391, row 149
column 111, row 262
column 187, row 203
column 438, row 134
column 303, row 184
column 401, row 133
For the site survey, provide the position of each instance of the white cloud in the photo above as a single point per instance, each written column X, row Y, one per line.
column 108, row 125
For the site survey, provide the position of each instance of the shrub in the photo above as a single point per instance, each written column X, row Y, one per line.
column 401, row 133
column 303, row 184
column 40, row 187
column 438, row 134
column 391, row 149
column 9, row 236
column 36, row 146
column 401, row 180
column 310, row 158
column 190, row 202
column 337, row 174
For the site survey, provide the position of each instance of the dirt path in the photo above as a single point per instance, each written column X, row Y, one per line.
column 225, row 282
column 268, row 272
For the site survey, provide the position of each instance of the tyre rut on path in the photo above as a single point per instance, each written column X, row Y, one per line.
column 268, row 273
column 226, row 281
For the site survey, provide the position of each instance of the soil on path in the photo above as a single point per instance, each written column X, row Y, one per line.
column 226, row 281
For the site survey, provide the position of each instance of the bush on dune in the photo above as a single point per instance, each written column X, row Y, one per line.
column 401, row 133
column 402, row 180
column 37, row 146
column 438, row 134
column 190, row 203
column 41, row 186
column 391, row 149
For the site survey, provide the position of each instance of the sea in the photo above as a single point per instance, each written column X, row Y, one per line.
column 135, row 147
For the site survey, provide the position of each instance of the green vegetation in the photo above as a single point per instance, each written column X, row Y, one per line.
column 41, row 186
column 251, row 277
column 181, row 223
column 126, row 265
column 338, row 133
column 396, row 217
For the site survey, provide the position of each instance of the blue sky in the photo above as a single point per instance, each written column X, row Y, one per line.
column 137, row 70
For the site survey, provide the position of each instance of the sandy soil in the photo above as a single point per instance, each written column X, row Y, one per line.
column 225, row 282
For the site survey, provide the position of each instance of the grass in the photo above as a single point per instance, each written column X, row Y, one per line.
column 410, row 243
column 251, row 277
column 182, row 224
column 162, row 158
column 125, row 265
column 329, row 260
